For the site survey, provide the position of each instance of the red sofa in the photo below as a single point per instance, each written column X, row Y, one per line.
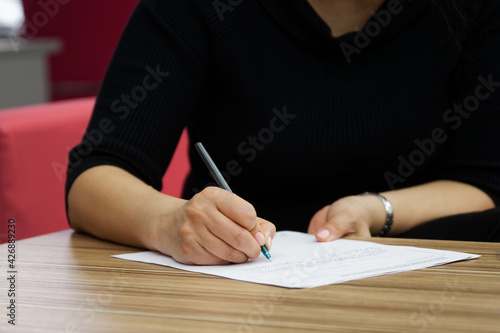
column 34, row 144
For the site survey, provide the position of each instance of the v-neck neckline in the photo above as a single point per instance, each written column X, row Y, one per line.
column 301, row 20
column 317, row 21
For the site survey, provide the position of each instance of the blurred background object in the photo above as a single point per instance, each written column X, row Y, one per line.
column 89, row 31
column 61, row 54
column 11, row 18
column 24, row 77
column 72, row 41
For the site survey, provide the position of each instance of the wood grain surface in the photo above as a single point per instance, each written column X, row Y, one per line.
column 68, row 282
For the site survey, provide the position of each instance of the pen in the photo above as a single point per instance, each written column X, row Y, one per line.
column 221, row 181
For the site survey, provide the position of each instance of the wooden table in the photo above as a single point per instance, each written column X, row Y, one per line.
column 68, row 282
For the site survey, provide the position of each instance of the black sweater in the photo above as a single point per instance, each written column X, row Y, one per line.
column 294, row 117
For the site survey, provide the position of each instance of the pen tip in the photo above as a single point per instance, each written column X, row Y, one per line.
column 270, row 259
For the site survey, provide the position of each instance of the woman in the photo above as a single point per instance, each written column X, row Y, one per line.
column 304, row 105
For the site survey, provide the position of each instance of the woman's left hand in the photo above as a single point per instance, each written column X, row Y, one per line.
column 348, row 216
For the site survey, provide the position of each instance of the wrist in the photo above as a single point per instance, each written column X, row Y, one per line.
column 375, row 212
column 373, row 215
column 382, row 213
column 164, row 210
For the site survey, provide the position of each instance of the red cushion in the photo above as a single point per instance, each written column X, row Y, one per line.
column 34, row 145
column 173, row 181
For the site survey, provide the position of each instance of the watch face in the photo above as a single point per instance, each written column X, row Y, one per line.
column 11, row 18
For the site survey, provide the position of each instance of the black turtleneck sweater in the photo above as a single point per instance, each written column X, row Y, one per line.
column 294, row 117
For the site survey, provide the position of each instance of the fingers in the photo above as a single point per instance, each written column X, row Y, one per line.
column 197, row 244
column 218, row 227
column 339, row 220
column 226, row 252
column 237, row 210
column 318, row 220
column 234, row 236
column 196, row 254
column 339, row 227
column 269, row 231
column 234, row 207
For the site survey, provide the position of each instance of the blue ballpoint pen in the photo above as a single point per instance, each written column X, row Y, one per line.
column 221, row 181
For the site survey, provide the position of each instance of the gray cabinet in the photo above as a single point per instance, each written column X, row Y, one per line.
column 24, row 76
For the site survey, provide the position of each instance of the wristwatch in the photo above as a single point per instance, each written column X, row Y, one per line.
column 389, row 214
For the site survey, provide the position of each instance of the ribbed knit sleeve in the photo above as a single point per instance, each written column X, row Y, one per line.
column 473, row 155
column 148, row 94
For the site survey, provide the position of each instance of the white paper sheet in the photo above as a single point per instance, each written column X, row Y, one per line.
column 299, row 261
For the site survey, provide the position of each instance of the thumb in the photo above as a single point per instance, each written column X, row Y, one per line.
column 258, row 233
column 318, row 220
column 269, row 230
column 333, row 229
column 339, row 227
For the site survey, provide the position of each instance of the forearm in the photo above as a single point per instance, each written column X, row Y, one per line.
column 419, row 204
column 112, row 204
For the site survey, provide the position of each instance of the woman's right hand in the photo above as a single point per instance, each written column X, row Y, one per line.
column 212, row 228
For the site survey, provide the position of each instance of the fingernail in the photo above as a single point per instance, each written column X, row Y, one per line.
column 260, row 238
column 323, row 234
column 269, row 242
